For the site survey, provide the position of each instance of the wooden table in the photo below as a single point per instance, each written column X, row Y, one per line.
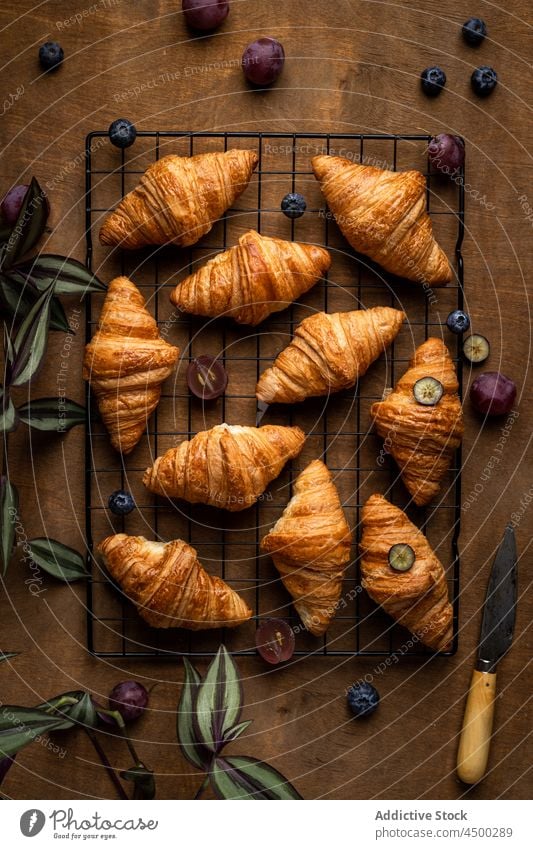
column 352, row 68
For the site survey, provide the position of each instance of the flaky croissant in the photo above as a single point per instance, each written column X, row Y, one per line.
column 328, row 353
column 383, row 214
column 422, row 439
column 249, row 281
column 169, row 586
column 310, row 546
column 125, row 363
column 178, row 199
column 417, row 598
column 229, row 466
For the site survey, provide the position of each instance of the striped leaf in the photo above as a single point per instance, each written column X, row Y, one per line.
column 219, row 701
column 52, row 414
column 8, row 413
column 9, row 503
column 58, row 560
column 30, row 225
column 242, row 778
column 17, row 298
column 69, row 276
column 195, row 753
column 30, row 341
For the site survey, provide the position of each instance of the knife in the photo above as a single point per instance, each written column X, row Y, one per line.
column 496, row 637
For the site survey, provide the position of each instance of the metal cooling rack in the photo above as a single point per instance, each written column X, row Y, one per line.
column 339, row 429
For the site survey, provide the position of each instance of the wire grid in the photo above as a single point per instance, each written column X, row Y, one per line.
column 339, row 429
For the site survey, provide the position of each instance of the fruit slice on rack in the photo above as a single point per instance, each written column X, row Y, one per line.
column 416, row 596
column 422, row 435
column 476, row 348
column 169, row 586
column 310, row 546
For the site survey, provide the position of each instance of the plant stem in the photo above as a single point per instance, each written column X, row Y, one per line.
column 105, row 762
column 204, row 785
column 117, row 716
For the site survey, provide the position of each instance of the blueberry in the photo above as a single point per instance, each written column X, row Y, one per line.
column 474, row 31
column 50, row 55
column 433, row 81
column 120, row 502
column 458, row 321
column 122, row 132
column 484, row 81
column 293, row 205
column 363, row 698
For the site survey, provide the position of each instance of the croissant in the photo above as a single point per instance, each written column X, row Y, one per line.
column 422, row 439
column 310, row 545
column 178, row 199
column 258, row 276
column 417, row 598
column 383, row 214
column 169, row 586
column 125, row 363
column 328, row 353
column 229, row 466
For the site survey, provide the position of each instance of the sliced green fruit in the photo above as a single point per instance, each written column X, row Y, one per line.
column 428, row 391
column 476, row 348
column 401, row 557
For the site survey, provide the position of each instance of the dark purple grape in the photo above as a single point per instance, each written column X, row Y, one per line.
column 205, row 14
column 446, row 153
column 262, row 61
column 493, row 394
column 207, row 378
column 12, row 203
column 130, row 699
column 275, row 641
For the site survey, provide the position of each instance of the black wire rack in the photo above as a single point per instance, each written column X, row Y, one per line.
column 338, row 429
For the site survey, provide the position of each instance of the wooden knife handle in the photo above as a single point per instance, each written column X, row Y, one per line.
column 476, row 732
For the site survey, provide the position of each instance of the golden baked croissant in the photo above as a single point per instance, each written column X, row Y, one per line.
column 418, row 597
column 328, row 353
column 249, row 281
column 310, row 546
column 126, row 362
column 178, row 199
column 422, row 439
column 169, row 586
column 229, row 466
column 383, row 214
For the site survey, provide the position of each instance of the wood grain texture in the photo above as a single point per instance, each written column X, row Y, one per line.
column 474, row 742
column 354, row 67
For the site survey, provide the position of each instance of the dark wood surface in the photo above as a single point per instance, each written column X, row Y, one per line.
column 351, row 66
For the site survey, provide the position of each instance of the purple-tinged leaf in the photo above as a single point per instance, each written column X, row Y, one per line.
column 219, row 701
column 57, row 559
column 143, row 780
column 242, row 777
column 192, row 750
column 9, row 503
column 19, row 726
column 30, row 226
column 17, row 297
column 30, row 341
column 69, row 276
column 8, row 415
column 59, row 414
column 236, row 731
column 5, row 766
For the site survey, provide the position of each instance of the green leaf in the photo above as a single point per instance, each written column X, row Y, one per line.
column 9, row 350
column 9, row 504
column 45, row 414
column 69, row 276
column 30, row 341
column 17, row 297
column 5, row 655
column 191, row 749
column 237, row 730
column 143, row 780
column 219, row 701
column 242, row 777
column 8, row 413
column 19, row 726
column 83, row 712
column 30, row 225
column 57, row 559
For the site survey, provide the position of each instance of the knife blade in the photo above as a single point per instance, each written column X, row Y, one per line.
column 497, row 627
